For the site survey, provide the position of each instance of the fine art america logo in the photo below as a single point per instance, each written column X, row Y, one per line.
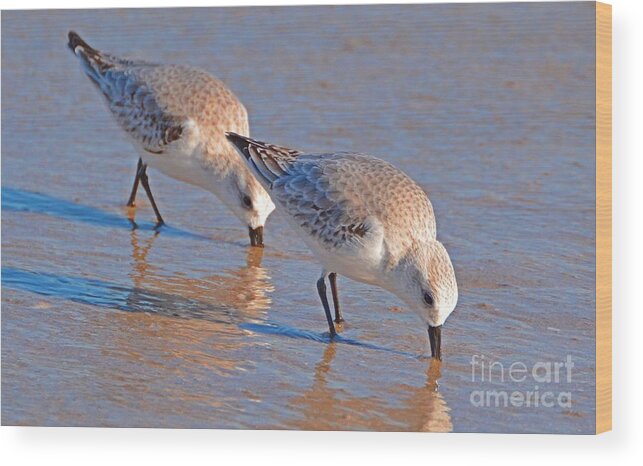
column 517, row 373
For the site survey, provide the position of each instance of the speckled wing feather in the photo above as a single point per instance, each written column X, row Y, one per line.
column 269, row 160
column 340, row 198
column 138, row 112
column 130, row 96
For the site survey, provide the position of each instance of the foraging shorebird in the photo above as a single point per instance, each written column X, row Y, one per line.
column 364, row 219
column 176, row 117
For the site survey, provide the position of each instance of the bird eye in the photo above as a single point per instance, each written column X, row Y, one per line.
column 247, row 202
column 428, row 298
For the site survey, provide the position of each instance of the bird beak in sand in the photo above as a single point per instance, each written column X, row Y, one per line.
column 435, row 339
column 256, row 236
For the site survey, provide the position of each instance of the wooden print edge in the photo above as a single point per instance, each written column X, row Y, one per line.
column 603, row 217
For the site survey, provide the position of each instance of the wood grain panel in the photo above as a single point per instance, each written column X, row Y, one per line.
column 603, row 217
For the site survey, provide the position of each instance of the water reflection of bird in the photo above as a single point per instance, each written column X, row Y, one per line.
column 176, row 117
column 242, row 292
column 417, row 409
column 180, row 322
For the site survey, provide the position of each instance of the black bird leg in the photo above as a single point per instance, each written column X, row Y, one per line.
column 321, row 289
column 132, row 196
column 146, row 186
column 332, row 277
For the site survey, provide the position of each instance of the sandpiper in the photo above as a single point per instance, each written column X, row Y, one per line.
column 176, row 117
column 364, row 219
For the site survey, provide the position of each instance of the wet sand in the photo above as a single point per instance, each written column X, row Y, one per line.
column 105, row 322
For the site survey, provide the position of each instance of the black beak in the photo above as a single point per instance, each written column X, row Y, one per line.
column 256, row 236
column 435, row 339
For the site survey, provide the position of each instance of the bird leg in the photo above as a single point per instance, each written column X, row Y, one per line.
column 132, row 196
column 321, row 289
column 146, row 185
column 332, row 278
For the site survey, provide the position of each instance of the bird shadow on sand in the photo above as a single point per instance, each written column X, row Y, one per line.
column 135, row 299
column 271, row 328
column 18, row 200
column 111, row 296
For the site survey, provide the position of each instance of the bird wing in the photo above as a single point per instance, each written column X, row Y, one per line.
column 306, row 186
column 342, row 198
column 325, row 208
column 269, row 161
column 130, row 97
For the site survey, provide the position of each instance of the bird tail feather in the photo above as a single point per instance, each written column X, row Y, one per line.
column 268, row 161
column 94, row 63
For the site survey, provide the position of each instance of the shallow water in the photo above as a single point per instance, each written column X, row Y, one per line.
column 107, row 322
